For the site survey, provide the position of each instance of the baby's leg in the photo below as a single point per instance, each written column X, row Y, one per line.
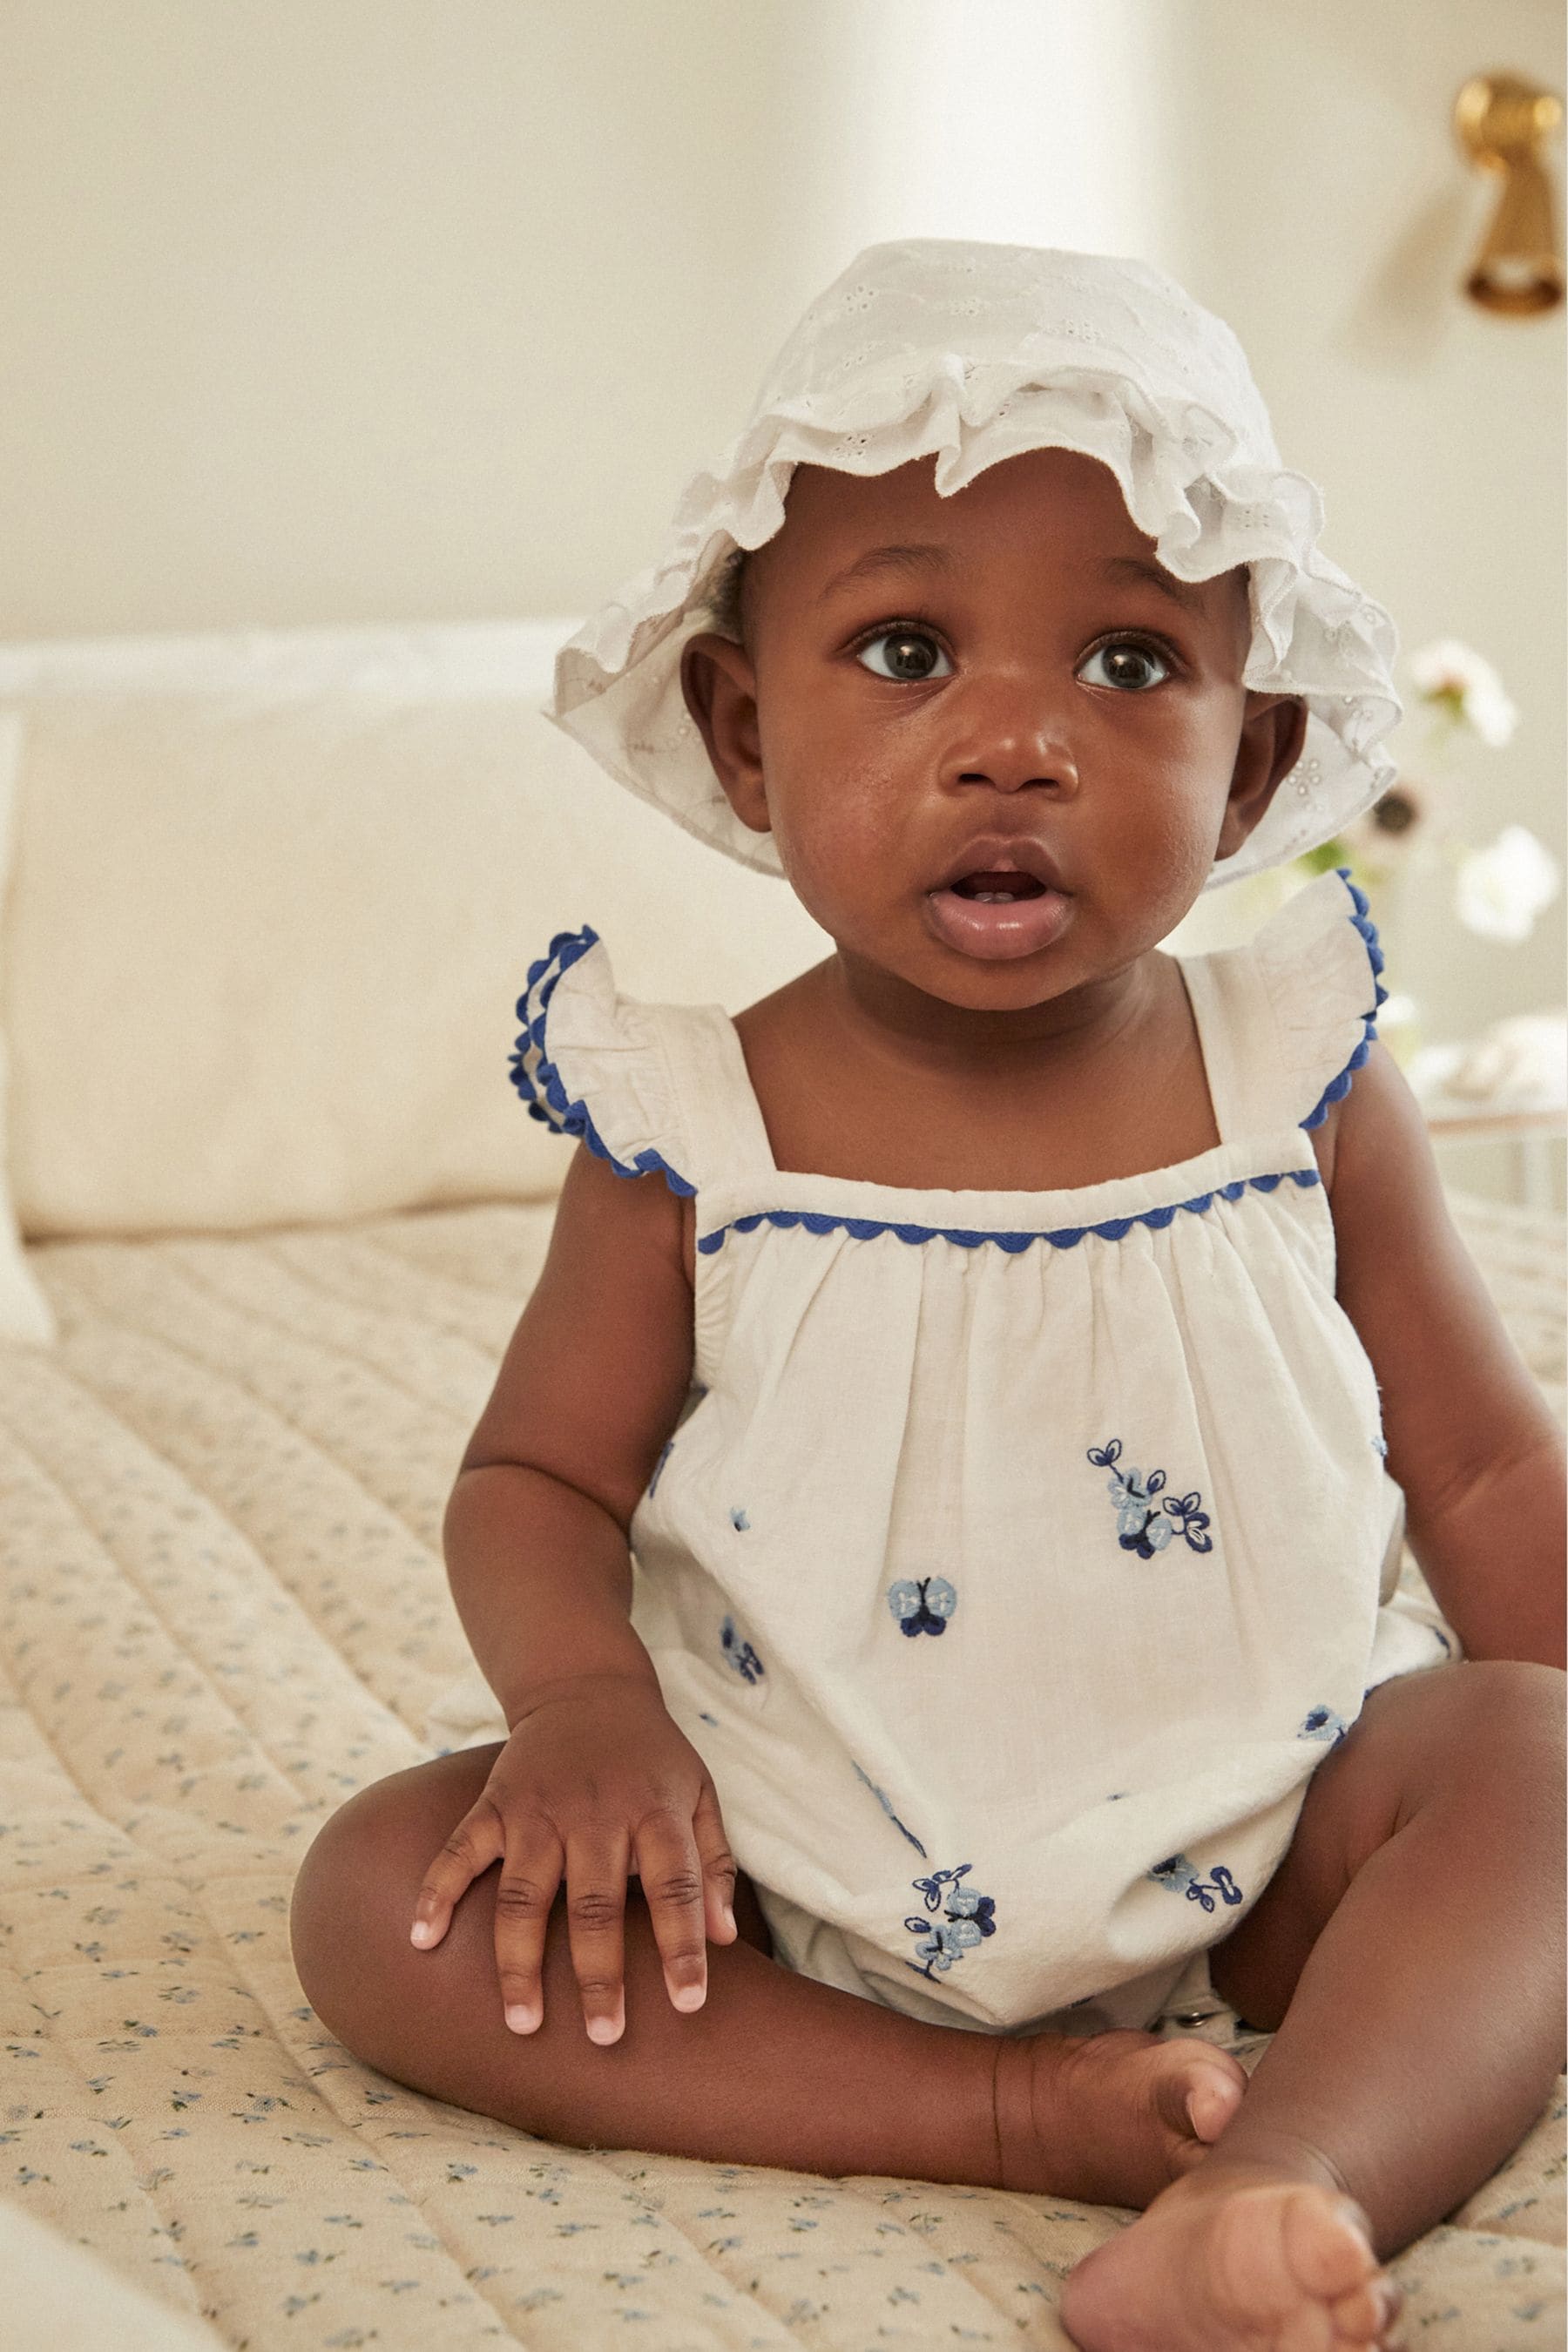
column 774, row 2069
column 1409, row 1951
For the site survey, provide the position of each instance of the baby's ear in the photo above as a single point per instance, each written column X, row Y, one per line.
column 720, row 690
column 1273, row 729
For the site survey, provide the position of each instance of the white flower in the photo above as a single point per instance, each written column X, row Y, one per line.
column 1455, row 677
column 1500, row 891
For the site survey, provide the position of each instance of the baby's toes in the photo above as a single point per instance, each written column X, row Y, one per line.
column 1215, row 2086
column 1364, row 2315
column 1195, row 2091
column 1288, row 2258
column 1328, row 2244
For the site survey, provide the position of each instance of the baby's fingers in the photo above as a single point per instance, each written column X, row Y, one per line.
column 719, row 1868
column 530, row 1878
column 473, row 1845
column 596, row 1929
column 671, row 1874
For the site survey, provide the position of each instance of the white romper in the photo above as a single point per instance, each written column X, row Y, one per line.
column 1017, row 1556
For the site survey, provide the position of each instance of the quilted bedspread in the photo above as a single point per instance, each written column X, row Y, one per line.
column 222, row 1610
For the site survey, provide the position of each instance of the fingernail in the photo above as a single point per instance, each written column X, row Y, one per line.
column 522, row 2018
column 690, row 1995
column 730, row 1917
column 604, row 2028
column 422, row 1932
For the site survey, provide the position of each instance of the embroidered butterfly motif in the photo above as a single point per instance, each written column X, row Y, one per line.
column 923, row 1607
column 1139, row 1524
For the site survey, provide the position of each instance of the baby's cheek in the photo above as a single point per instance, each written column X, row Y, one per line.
column 835, row 843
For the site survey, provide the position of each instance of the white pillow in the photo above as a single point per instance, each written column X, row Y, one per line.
column 274, row 899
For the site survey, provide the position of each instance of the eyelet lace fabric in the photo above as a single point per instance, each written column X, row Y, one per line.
column 974, row 353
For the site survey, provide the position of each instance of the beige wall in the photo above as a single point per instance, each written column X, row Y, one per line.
column 335, row 309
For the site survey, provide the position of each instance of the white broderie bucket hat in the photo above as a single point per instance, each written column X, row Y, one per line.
column 972, row 353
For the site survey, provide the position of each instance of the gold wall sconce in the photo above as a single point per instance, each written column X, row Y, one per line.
column 1502, row 123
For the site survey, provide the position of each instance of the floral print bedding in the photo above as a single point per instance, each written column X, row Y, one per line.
column 221, row 1609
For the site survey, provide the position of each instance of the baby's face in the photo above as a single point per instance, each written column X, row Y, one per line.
column 996, row 754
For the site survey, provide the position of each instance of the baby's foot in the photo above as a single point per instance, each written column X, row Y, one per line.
column 1111, row 2119
column 1235, row 2259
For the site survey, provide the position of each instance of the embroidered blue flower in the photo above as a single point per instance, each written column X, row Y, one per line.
column 923, row 1607
column 659, row 1466
column 1323, row 1723
column 739, row 1520
column 739, row 1653
column 967, row 1919
column 1178, row 1875
column 1138, row 1526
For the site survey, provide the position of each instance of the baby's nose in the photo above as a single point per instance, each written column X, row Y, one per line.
column 1009, row 755
column 1006, row 731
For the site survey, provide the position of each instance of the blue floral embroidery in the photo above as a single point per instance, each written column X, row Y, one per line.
column 659, row 1466
column 1138, row 1526
column 1179, row 1875
column 923, row 1607
column 1323, row 1723
column 739, row 1520
column 887, row 1808
column 968, row 1919
column 740, row 1653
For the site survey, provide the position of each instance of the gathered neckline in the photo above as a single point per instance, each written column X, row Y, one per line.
column 766, row 1169
column 702, row 1062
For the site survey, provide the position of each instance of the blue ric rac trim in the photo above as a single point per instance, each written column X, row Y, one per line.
column 1368, row 930
column 541, row 1089
column 862, row 1229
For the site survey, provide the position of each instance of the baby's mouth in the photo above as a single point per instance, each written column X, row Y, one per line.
column 996, row 913
column 996, row 888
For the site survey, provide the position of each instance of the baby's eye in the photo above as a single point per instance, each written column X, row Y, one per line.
column 1127, row 662
column 907, row 654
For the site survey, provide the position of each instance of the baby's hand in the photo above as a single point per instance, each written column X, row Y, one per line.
column 595, row 1781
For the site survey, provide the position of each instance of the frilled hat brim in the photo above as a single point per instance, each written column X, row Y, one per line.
column 972, row 354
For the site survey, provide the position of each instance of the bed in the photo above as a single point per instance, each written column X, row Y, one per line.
column 223, row 1456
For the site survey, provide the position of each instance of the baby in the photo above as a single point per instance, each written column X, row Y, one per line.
column 934, row 1535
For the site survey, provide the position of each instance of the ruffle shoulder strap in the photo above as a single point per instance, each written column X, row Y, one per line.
column 1320, row 962
column 591, row 1063
column 1289, row 1019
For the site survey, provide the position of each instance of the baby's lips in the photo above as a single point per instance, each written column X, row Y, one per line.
column 998, row 853
column 999, row 932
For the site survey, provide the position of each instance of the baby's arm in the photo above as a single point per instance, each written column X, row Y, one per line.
column 1470, row 1439
column 591, row 1385
column 595, row 1778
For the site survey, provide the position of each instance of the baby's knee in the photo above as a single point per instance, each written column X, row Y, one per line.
column 1488, row 1732
column 1517, row 1723
column 354, row 1898
column 1508, row 1708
